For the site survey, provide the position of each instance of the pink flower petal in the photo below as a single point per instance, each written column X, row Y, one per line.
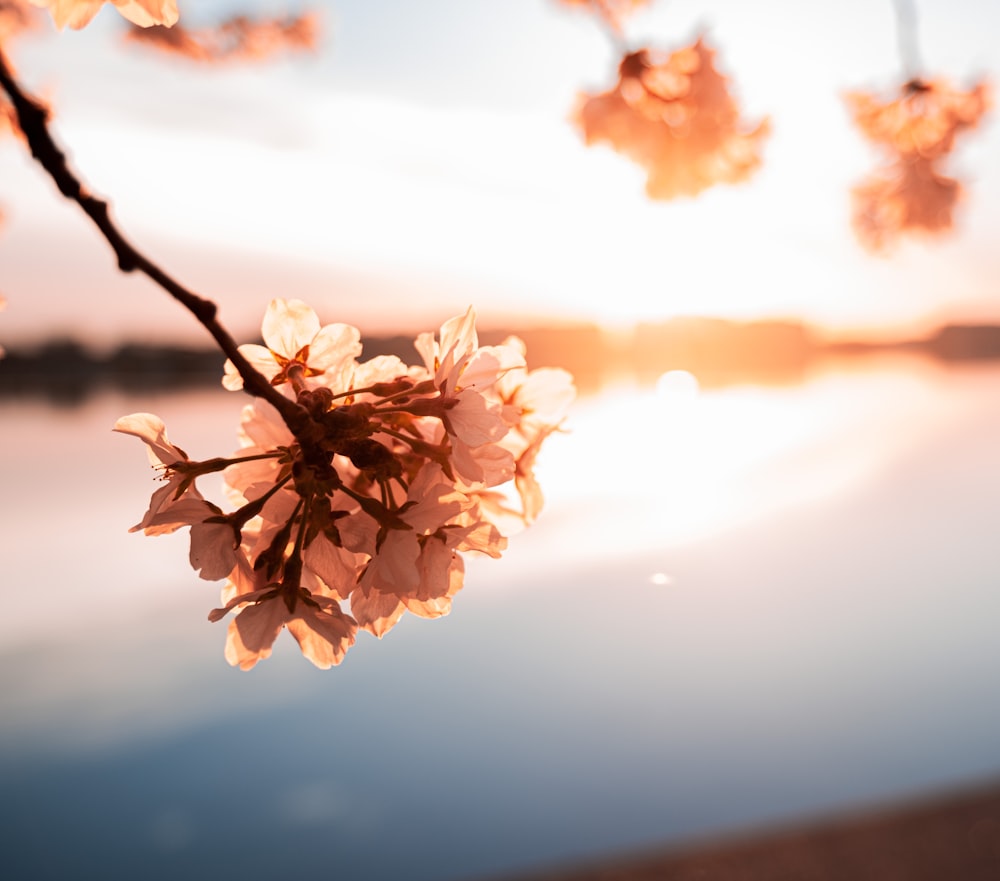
column 288, row 326
column 147, row 13
column 375, row 611
column 214, row 548
column 260, row 359
column 151, row 431
column 253, row 631
column 323, row 635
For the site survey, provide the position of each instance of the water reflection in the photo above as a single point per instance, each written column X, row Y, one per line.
column 740, row 606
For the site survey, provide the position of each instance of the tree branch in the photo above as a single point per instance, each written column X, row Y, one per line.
column 32, row 118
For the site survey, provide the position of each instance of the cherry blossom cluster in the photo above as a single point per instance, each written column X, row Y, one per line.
column 363, row 512
column 673, row 114
column 917, row 130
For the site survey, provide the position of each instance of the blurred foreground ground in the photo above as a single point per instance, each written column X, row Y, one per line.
column 954, row 838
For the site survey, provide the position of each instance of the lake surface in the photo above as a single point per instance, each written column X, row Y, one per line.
column 741, row 607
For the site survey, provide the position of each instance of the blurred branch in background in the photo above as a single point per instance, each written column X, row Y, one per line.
column 236, row 39
column 906, row 27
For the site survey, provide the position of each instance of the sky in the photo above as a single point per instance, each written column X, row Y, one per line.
column 424, row 159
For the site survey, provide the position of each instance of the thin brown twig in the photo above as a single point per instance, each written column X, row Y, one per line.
column 32, row 119
column 906, row 34
column 609, row 24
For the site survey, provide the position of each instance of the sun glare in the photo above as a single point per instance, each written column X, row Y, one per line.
column 677, row 388
column 707, row 461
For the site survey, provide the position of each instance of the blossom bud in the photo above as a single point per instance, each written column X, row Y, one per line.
column 370, row 455
column 316, row 401
column 349, row 422
column 388, row 389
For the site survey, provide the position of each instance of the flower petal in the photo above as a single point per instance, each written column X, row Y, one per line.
column 288, row 326
column 75, row 13
column 147, row 13
column 333, row 350
column 213, row 549
column 253, row 631
column 375, row 611
column 260, row 359
column 167, row 514
column 474, row 420
column 336, row 567
column 151, row 431
column 324, row 635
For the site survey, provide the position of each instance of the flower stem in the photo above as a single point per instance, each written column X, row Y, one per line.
column 241, row 516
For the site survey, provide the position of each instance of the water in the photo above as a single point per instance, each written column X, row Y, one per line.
column 742, row 607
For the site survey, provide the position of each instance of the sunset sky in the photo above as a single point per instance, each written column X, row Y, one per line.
column 423, row 159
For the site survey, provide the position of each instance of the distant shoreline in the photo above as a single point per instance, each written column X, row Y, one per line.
column 719, row 352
